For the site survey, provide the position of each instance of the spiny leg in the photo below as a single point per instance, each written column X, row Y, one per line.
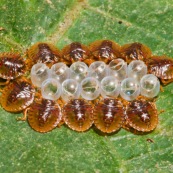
column 161, row 88
column 24, row 117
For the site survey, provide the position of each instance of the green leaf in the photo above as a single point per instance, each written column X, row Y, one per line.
column 25, row 22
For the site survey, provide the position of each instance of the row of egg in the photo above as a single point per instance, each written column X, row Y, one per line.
column 107, row 80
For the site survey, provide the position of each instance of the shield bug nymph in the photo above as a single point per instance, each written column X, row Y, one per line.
column 44, row 115
column 17, row 95
column 109, row 115
column 142, row 115
column 42, row 52
column 104, row 50
column 12, row 65
column 78, row 115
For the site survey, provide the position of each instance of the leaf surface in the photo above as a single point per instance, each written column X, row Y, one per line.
column 61, row 22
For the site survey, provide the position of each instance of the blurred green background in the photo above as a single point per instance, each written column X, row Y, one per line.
column 25, row 22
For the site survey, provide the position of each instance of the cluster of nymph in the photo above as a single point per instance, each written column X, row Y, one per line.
column 104, row 84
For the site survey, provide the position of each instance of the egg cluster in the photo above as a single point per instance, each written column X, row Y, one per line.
column 110, row 80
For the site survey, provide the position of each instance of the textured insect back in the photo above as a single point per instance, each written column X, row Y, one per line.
column 109, row 115
column 44, row 115
column 12, row 65
column 17, row 95
column 78, row 115
column 104, row 50
column 42, row 52
column 135, row 51
column 75, row 52
column 161, row 67
column 142, row 115
column 4, row 81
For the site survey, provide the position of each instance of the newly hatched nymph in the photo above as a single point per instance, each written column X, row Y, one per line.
column 17, row 95
column 76, row 52
column 78, row 115
column 44, row 115
column 161, row 67
column 109, row 115
column 12, row 65
column 104, row 50
column 135, row 51
column 142, row 115
column 42, row 52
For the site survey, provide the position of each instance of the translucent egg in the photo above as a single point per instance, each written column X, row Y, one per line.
column 70, row 90
column 150, row 86
column 98, row 70
column 90, row 88
column 118, row 68
column 51, row 89
column 78, row 71
column 109, row 87
column 60, row 71
column 136, row 69
column 129, row 89
column 39, row 73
